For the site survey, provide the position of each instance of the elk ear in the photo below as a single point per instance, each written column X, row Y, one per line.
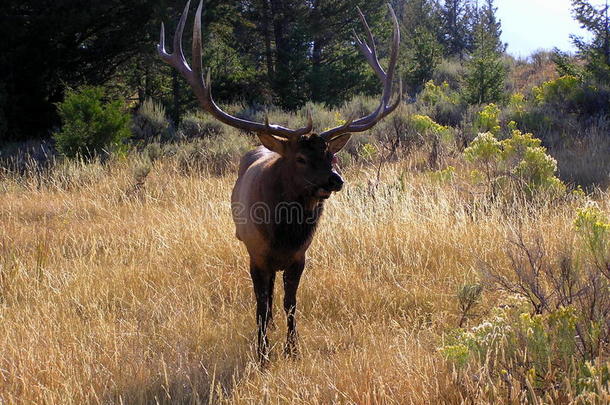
column 273, row 143
column 336, row 144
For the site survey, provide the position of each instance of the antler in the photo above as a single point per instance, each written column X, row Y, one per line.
column 202, row 88
column 370, row 53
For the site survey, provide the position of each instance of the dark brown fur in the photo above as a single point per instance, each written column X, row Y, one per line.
column 277, row 203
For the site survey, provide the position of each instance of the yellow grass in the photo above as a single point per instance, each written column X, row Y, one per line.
column 109, row 294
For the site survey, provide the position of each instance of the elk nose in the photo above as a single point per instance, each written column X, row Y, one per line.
column 335, row 182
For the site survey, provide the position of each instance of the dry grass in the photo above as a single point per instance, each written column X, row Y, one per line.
column 116, row 294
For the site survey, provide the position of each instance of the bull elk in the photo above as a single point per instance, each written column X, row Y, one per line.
column 281, row 187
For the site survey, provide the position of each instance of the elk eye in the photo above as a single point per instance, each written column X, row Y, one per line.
column 301, row 160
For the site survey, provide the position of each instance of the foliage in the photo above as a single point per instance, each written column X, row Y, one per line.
column 445, row 104
column 90, row 124
column 433, row 94
column 443, row 176
column 520, row 159
column 423, row 55
column 516, row 101
column 487, row 22
column 596, row 52
column 468, row 295
column 513, row 345
column 457, row 17
column 485, row 148
column 52, row 46
column 197, row 124
column 553, row 329
column 210, row 155
column 368, row 152
column 484, row 82
column 450, row 71
column 558, row 91
column 425, row 124
column 593, row 228
column 150, row 122
column 572, row 95
column 488, row 119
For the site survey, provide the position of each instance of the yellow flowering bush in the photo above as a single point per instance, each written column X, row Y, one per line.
column 488, row 119
column 565, row 88
column 520, row 157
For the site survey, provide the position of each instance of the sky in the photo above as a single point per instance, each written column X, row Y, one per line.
column 529, row 25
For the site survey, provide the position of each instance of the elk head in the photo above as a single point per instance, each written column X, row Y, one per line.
column 310, row 156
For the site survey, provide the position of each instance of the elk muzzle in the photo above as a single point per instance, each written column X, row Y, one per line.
column 334, row 183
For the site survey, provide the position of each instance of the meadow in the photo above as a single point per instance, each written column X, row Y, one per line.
column 466, row 260
column 128, row 288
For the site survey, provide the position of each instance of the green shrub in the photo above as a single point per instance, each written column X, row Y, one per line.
column 150, row 122
column 433, row 94
column 359, row 106
column 200, row 125
column 450, row 71
column 443, row 103
column 91, row 125
column 443, row 176
column 368, row 152
column 573, row 95
column 210, row 155
column 593, row 228
column 559, row 91
column 536, row 350
column 552, row 330
column 488, row 119
column 519, row 158
column 397, row 131
column 426, row 125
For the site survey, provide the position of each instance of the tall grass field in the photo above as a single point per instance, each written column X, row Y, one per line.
column 118, row 287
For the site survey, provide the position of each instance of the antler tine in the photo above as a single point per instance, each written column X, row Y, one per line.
column 386, row 78
column 203, row 89
column 387, row 91
column 196, row 52
column 178, row 35
column 368, row 49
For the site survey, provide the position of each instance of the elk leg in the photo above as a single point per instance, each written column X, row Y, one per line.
column 270, row 322
column 292, row 276
column 263, row 280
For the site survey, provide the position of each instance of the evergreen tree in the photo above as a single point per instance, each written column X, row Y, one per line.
column 421, row 45
column 48, row 45
column 457, row 18
column 485, row 19
column 596, row 52
column 337, row 69
column 486, row 72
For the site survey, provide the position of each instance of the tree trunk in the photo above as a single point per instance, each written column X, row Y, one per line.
column 267, row 36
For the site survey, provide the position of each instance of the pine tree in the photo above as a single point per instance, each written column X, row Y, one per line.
column 485, row 18
column 486, row 71
column 597, row 51
column 421, row 45
column 456, row 18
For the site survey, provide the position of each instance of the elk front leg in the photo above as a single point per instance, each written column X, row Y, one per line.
column 292, row 276
column 263, row 280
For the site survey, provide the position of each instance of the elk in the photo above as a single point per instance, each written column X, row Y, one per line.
column 282, row 185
